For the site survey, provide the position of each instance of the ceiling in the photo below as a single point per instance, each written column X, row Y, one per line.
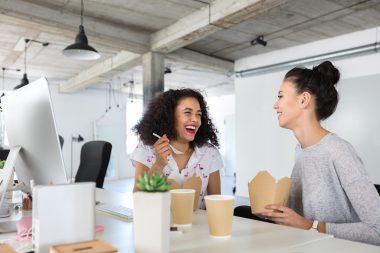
column 200, row 39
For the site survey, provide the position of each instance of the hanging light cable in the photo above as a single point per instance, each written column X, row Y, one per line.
column 81, row 50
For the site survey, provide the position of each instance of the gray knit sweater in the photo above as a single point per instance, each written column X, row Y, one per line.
column 330, row 184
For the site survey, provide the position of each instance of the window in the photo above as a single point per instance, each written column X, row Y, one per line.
column 134, row 113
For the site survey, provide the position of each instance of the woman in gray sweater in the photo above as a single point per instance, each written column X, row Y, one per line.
column 331, row 191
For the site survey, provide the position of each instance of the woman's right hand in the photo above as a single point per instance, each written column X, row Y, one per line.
column 162, row 151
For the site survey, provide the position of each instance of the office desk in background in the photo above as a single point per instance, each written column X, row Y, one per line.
column 247, row 235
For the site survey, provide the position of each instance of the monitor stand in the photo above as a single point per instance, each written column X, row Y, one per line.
column 8, row 218
column 9, row 224
column 4, row 210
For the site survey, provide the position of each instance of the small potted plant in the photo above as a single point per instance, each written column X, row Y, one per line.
column 2, row 163
column 151, row 216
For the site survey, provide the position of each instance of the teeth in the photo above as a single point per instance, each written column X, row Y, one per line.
column 190, row 127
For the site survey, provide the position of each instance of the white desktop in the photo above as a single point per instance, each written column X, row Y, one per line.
column 35, row 150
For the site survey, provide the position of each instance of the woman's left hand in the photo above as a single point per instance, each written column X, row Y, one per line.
column 286, row 216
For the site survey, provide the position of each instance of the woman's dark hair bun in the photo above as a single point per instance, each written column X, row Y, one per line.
column 328, row 70
column 319, row 81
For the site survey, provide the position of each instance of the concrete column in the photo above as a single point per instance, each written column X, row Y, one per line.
column 153, row 76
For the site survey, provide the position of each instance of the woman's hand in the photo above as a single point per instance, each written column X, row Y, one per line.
column 162, row 150
column 286, row 216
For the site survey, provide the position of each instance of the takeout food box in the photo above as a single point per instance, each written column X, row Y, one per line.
column 263, row 190
column 193, row 182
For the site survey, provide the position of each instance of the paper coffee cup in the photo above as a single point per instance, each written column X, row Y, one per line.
column 220, row 210
column 182, row 201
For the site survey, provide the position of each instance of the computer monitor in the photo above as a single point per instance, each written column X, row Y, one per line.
column 30, row 125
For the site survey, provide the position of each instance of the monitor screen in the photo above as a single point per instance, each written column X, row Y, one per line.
column 30, row 124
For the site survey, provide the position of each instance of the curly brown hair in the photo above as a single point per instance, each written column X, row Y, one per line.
column 160, row 118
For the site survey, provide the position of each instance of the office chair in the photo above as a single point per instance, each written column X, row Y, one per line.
column 245, row 212
column 377, row 186
column 61, row 140
column 4, row 154
column 94, row 159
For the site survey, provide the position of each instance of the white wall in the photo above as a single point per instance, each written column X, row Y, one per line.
column 76, row 113
column 262, row 144
column 222, row 113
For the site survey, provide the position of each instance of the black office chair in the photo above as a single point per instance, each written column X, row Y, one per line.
column 245, row 212
column 4, row 154
column 61, row 140
column 94, row 159
column 377, row 186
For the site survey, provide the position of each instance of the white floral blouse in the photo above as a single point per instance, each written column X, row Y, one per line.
column 204, row 161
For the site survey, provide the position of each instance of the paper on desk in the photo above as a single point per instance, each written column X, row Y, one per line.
column 263, row 190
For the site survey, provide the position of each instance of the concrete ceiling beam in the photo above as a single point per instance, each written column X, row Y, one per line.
column 190, row 57
column 214, row 17
column 100, row 71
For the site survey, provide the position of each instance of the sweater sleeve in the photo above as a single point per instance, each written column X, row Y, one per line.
column 362, row 195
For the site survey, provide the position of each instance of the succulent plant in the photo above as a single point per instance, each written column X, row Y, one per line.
column 2, row 163
column 154, row 183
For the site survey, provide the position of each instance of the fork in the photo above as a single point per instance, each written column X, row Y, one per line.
column 176, row 151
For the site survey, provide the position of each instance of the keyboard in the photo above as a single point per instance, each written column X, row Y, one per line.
column 118, row 210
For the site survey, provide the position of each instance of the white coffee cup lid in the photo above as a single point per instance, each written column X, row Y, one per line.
column 182, row 191
column 219, row 197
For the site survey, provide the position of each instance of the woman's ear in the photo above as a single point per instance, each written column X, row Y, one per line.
column 305, row 99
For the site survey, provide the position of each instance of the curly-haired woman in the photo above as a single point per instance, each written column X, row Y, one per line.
column 181, row 118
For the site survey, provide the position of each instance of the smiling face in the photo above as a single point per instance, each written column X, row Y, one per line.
column 187, row 119
column 289, row 105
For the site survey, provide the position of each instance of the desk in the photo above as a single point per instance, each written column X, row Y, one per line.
column 334, row 245
column 117, row 231
column 247, row 235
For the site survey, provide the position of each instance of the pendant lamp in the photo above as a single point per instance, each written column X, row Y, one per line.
column 81, row 50
column 3, row 83
column 24, row 80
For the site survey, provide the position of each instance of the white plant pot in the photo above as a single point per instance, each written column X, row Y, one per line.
column 151, row 221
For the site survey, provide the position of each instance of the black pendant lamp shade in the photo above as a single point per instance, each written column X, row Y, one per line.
column 81, row 50
column 24, row 81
